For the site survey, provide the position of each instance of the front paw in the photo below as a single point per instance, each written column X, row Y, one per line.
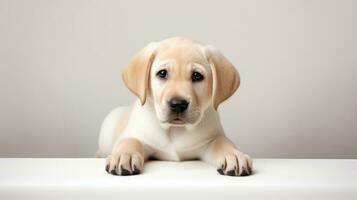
column 235, row 164
column 124, row 164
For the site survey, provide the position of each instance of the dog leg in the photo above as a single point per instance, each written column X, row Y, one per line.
column 227, row 159
column 127, row 158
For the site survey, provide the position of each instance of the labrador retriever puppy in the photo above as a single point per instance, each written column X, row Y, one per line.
column 179, row 84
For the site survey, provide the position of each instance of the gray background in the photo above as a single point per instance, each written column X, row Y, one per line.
column 61, row 63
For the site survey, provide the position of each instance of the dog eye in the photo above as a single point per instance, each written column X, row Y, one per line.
column 196, row 76
column 162, row 74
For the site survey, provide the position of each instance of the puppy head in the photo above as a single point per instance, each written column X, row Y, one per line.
column 183, row 78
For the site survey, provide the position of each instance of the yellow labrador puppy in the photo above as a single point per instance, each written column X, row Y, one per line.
column 180, row 84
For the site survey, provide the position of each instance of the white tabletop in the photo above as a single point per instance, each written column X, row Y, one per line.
column 86, row 178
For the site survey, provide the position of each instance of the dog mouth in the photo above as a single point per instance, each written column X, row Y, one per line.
column 177, row 121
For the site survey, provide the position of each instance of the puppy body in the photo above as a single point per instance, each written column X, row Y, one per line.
column 157, row 126
column 173, row 143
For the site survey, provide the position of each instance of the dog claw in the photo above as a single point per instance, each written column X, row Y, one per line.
column 136, row 171
column 125, row 172
column 113, row 172
column 220, row 171
column 231, row 173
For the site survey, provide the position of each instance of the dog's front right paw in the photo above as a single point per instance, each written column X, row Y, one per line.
column 124, row 164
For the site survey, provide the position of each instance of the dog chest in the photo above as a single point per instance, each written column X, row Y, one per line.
column 181, row 145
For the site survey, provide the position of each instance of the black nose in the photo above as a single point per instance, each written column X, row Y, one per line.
column 178, row 105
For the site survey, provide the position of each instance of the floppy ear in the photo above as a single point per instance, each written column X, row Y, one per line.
column 225, row 77
column 136, row 73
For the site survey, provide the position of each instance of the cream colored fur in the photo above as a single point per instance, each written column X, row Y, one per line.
column 131, row 135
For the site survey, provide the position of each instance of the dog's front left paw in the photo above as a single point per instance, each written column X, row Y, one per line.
column 124, row 164
column 235, row 164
